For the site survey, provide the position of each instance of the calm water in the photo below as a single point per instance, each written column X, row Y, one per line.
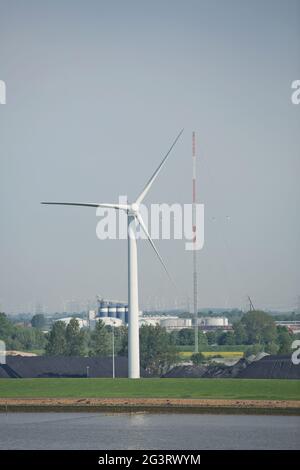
column 147, row 431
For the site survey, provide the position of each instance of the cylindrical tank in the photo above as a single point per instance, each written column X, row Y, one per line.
column 176, row 323
column 112, row 311
column 121, row 310
column 215, row 321
column 103, row 311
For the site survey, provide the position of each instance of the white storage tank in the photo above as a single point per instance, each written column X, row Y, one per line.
column 216, row 322
column 176, row 323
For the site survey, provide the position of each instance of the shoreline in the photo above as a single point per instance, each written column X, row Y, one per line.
column 151, row 405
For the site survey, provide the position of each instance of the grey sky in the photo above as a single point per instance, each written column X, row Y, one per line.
column 96, row 91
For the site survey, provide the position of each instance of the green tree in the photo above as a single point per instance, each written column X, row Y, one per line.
column 226, row 338
column 18, row 337
column 38, row 321
column 260, row 327
column 186, row 336
column 240, row 333
column 6, row 328
column 211, row 337
column 101, row 342
column 158, row 351
column 271, row 348
column 121, row 339
column 29, row 338
column 57, row 344
column 202, row 340
column 284, row 340
column 75, row 339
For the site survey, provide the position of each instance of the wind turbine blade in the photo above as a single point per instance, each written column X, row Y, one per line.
column 156, row 173
column 142, row 224
column 89, row 204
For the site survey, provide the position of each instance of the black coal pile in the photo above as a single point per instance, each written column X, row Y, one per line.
column 185, row 371
column 63, row 366
column 271, row 367
column 207, row 371
column 266, row 367
column 223, row 371
column 3, row 372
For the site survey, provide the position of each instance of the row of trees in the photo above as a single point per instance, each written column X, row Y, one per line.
column 157, row 348
column 70, row 340
column 19, row 338
column 256, row 329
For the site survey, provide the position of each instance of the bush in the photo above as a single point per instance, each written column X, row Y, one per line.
column 197, row 358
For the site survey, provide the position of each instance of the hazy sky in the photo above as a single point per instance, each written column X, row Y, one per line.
column 96, row 92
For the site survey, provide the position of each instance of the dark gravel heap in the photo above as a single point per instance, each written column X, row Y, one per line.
column 185, row 371
column 61, row 366
column 269, row 367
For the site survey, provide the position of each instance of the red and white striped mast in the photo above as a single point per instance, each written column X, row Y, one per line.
column 195, row 281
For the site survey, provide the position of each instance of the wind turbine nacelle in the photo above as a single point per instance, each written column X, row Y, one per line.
column 134, row 209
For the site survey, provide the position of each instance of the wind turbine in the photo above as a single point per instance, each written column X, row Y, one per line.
column 133, row 218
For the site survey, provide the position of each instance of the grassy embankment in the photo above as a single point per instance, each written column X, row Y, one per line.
column 247, row 389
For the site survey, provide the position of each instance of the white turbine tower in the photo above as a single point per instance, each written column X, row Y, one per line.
column 133, row 217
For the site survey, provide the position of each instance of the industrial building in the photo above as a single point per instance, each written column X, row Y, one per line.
column 292, row 326
column 113, row 309
column 115, row 313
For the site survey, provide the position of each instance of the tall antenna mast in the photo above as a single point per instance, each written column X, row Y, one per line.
column 195, row 303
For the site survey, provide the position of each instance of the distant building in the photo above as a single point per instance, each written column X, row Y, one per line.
column 113, row 309
column 292, row 326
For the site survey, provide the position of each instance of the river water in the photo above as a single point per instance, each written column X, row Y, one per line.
column 103, row 431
